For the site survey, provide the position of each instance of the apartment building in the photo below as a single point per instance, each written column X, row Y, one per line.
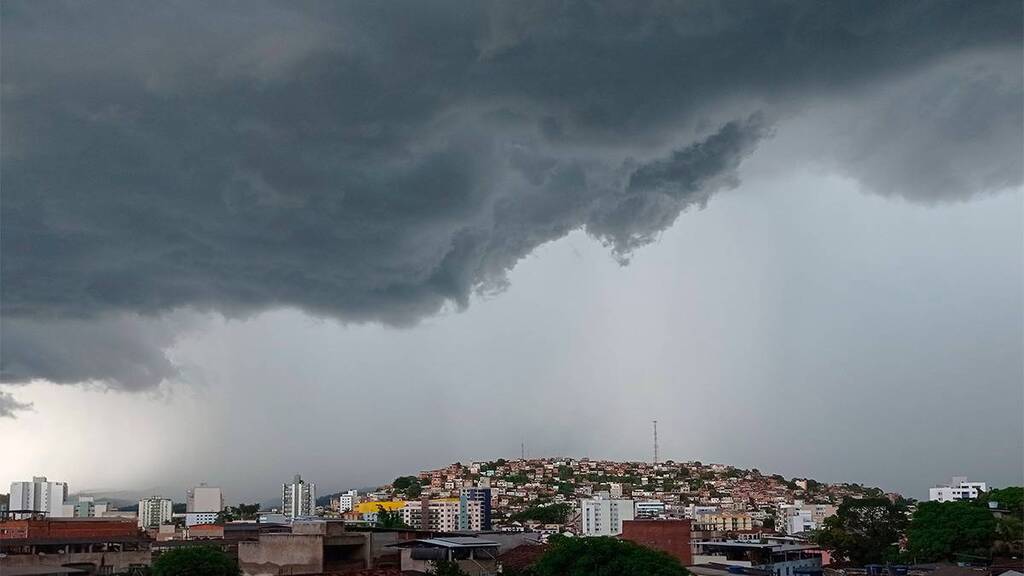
column 39, row 496
column 443, row 515
column 802, row 517
column 298, row 498
column 958, row 489
column 154, row 511
column 604, row 515
column 204, row 498
column 723, row 522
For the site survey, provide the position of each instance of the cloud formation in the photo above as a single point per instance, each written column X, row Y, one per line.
column 377, row 162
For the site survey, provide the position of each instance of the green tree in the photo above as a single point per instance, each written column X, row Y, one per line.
column 604, row 557
column 448, row 568
column 864, row 531
column 950, row 531
column 195, row 561
column 550, row 514
column 1011, row 498
column 389, row 518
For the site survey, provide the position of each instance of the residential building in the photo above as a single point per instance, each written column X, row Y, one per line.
column 958, row 489
column 603, row 515
column 670, row 536
column 39, row 496
column 481, row 495
column 649, row 509
column 87, row 507
column 298, row 498
column 91, row 545
column 778, row 559
column 474, row 556
column 199, row 518
column 204, row 498
column 347, row 501
column 154, row 511
column 724, row 522
column 443, row 515
column 800, row 517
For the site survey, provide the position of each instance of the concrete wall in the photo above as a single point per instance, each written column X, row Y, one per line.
column 279, row 554
column 119, row 560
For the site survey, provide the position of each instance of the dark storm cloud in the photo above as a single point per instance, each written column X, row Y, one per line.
column 377, row 161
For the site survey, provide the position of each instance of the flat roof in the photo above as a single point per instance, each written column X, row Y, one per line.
column 450, row 542
column 775, row 547
column 40, row 570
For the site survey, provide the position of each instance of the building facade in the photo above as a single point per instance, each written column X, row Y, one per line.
column 39, row 496
column 958, row 489
column 204, row 498
column 724, row 522
column 154, row 511
column 649, row 509
column 604, row 515
column 443, row 515
column 481, row 495
column 298, row 498
column 800, row 517
column 670, row 536
column 347, row 501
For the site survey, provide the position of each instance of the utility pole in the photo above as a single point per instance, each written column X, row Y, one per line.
column 522, row 450
column 655, row 441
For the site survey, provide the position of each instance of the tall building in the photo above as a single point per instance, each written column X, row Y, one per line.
column 204, row 498
column 38, row 496
column 345, row 501
column 298, row 498
column 481, row 495
column 87, row 507
column 958, row 489
column 649, row 509
column 443, row 515
column 603, row 515
column 154, row 511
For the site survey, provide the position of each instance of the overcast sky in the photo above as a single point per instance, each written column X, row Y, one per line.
column 243, row 241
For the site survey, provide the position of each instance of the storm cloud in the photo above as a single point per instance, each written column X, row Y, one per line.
column 378, row 162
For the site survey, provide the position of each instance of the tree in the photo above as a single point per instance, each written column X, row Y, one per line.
column 864, row 531
column 604, row 556
column 550, row 514
column 195, row 561
column 448, row 568
column 950, row 531
column 389, row 518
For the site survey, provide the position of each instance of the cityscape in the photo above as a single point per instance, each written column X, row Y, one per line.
column 512, row 288
column 502, row 516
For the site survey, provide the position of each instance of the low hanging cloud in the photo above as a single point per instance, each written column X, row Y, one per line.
column 377, row 162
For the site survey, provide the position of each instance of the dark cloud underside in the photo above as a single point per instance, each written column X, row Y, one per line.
column 377, row 161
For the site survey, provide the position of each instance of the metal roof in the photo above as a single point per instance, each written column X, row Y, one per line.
column 450, row 542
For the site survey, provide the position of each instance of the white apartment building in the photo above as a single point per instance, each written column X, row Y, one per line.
column 204, row 498
column 347, row 501
column 87, row 507
column 298, row 498
column 958, row 489
column 649, row 509
column 802, row 517
column 39, row 496
column 442, row 515
column 603, row 515
column 154, row 511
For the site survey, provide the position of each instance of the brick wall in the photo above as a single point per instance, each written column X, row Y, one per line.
column 671, row 536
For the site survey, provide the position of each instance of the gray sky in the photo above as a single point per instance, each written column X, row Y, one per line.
column 354, row 241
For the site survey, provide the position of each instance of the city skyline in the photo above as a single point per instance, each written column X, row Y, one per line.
column 361, row 240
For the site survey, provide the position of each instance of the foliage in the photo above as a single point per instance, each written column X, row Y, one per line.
column 241, row 512
column 448, row 568
column 551, row 514
column 864, row 531
column 604, row 557
column 950, row 531
column 389, row 518
column 195, row 561
column 1010, row 498
column 403, row 482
